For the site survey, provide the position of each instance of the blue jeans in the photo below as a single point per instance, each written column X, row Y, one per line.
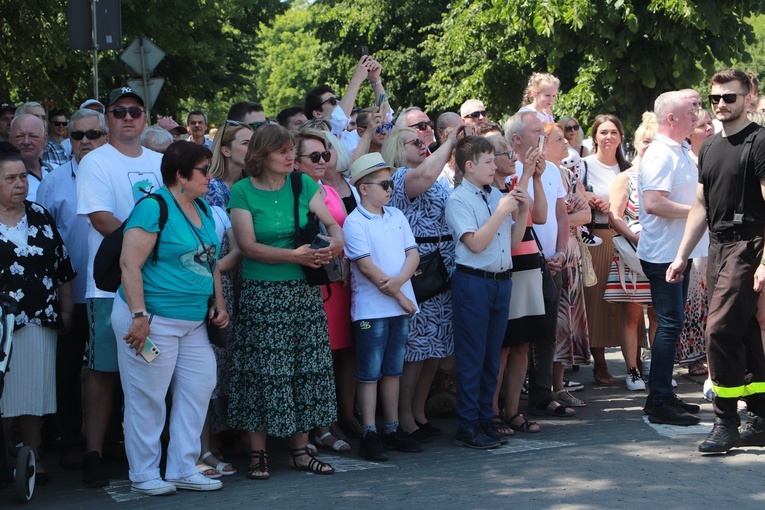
column 479, row 318
column 669, row 305
column 380, row 346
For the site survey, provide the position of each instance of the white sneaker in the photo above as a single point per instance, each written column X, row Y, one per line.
column 570, row 385
column 589, row 239
column 156, row 487
column 707, row 392
column 634, row 381
column 196, row 482
column 674, row 383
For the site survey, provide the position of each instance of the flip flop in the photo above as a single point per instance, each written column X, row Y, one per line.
column 220, row 466
column 208, row 471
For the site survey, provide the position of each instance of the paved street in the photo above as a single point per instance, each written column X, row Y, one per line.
column 608, row 457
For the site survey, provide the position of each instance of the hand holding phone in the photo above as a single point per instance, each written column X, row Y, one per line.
column 363, row 51
column 541, row 143
column 319, row 242
column 150, row 351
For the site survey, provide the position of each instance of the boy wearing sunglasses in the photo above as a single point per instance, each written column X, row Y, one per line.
column 383, row 254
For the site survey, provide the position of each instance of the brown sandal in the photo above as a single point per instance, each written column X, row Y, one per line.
column 602, row 376
column 259, row 470
column 314, row 465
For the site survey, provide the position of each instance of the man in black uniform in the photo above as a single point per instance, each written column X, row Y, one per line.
column 736, row 269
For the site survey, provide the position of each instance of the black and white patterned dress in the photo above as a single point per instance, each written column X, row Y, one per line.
column 430, row 331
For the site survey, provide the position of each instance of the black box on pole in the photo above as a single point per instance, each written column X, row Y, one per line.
column 108, row 19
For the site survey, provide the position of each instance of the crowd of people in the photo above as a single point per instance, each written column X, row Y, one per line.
column 500, row 255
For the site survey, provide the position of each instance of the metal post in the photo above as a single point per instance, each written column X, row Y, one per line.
column 144, row 76
column 95, row 48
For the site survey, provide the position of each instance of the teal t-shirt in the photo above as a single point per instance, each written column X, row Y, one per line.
column 180, row 284
column 273, row 223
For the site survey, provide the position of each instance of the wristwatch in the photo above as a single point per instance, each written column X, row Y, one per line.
column 138, row 315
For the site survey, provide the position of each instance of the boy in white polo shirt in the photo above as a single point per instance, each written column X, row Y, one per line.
column 383, row 255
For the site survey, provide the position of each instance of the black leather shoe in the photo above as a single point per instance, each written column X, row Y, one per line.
column 93, row 471
column 488, row 429
column 372, row 448
column 400, row 441
column 474, row 438
column 723, row 437
column 671, row 413
column 688, row 408
column 753, row 431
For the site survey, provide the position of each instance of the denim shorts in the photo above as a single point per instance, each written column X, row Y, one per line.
column 380, row 346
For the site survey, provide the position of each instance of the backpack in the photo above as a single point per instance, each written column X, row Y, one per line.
column 106, row 266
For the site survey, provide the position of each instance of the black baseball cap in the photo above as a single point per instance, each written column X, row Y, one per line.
column 121, row 92
column 6, row 107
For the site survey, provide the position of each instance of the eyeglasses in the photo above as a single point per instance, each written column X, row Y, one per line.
column 252, row 125
column 575, row 127
column 203, row 169
column 728, row 98
column 92, row 134
column 385, row 185
column 121, row 112
column 479, row 113
column 416, row 142
column 510, row 154
column 422, row 126
column 331, row 100
column 316, row 156
column 60, row 124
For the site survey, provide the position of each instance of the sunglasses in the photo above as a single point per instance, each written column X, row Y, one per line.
column 252, row 125
column 422, row 126
column 416, row 142
column 510, row 154
column 575, row 127
column 121, row 112
column 316, row 156
column 479, row 113
column 385, row 185
column 60, row 124
column 728, row 98
column 331, row 100
column 92, row 134
column 384, row 127
column 203, row 169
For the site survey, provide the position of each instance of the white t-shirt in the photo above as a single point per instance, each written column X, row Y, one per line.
column 107, row 180
column 600, row 177
column 385, row 238
column 554, row 190
column 666, row 166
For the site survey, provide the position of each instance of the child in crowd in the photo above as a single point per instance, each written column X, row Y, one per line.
column 540, row 95
column 480, row 219
column 383, row 255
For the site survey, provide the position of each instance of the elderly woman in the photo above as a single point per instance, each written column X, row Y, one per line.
column 156, row 138
column 422, row 200
column 35, row 270
column 168, row 302
column 574, row 134
column 603, row 166
column 281, row 381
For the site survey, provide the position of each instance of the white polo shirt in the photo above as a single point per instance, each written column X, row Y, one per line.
column 385, row 238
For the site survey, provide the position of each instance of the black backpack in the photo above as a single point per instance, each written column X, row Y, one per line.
column 106, row 266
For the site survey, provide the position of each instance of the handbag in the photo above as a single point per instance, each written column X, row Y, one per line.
column 218, row 336
column 588, row 268
column 548, row 285
column 327, row 273
column 431, row 277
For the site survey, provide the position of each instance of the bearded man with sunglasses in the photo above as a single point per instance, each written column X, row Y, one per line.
column 732, row 204
column 111, row 179
column 58, row 194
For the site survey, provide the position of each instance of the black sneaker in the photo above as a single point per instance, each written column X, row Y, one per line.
column 400, row 441
column 93, row 471
column 474, row 438
column 488, row 429
column 723, row 437
column 688, row 408
column 671, row 413
column 372, row 448
column 753, row 431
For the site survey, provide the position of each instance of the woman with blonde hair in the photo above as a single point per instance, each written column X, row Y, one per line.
column 540, row 95
column 227, row 165
column 574, row 135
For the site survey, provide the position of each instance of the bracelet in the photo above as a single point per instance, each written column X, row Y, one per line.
column 375, row 83
column 560, row 253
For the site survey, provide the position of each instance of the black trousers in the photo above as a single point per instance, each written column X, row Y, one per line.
column 70, row 351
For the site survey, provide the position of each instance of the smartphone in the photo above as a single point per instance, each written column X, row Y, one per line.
column 382, row 98
column 319, row 242
column 541, row 143
column 150, row 351
column 364, row 50
column 513, row 182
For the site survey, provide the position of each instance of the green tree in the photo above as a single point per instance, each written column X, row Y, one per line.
column 611, row 55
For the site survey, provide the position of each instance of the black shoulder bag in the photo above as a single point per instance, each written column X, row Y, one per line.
column 431, row 277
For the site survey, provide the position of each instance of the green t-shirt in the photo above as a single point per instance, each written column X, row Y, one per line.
column 180, row 284
column 274, row 224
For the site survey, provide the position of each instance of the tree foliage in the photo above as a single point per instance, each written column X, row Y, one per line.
column 611, row 55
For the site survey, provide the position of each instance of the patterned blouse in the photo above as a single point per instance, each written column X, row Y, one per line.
column 32, row 273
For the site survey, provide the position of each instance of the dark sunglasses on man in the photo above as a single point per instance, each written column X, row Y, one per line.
column 423, row 126
column 120, row 112
column 728, row 98
column 316, row 156
column 91, row 134
column 479, row 113
column 331, row 100
column 60, row 123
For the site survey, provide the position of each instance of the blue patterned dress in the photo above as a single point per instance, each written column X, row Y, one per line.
column 430, row 331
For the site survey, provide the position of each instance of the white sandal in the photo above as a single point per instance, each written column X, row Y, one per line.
column 221, row 466
column 338, row 446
